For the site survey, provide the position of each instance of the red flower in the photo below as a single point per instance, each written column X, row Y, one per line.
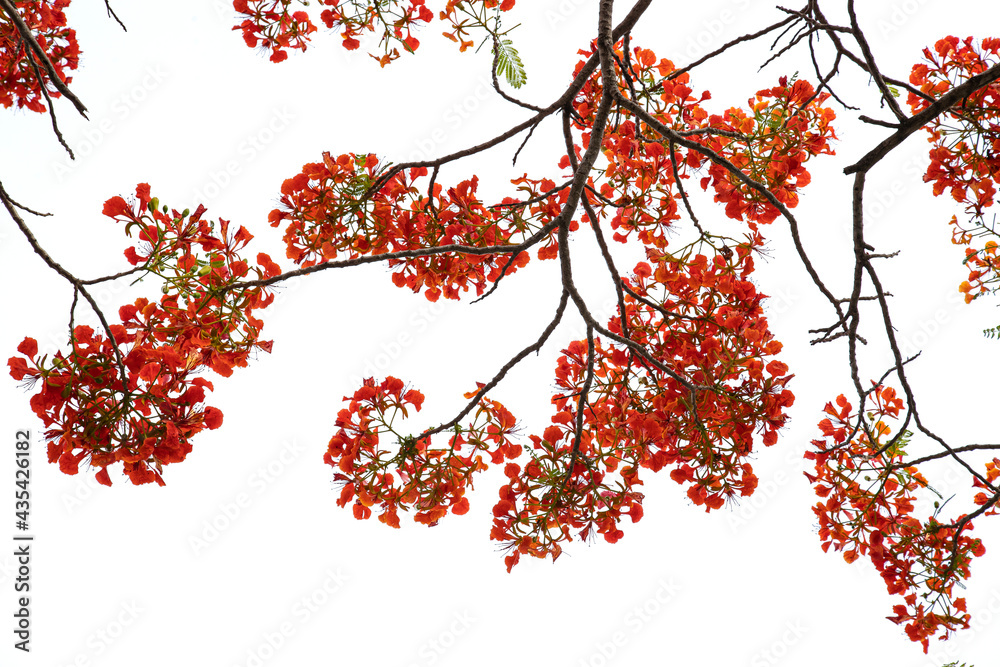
column 213, row 417
column 28, row 347
column 115, row 207
column 18, row 368
column 102, row 477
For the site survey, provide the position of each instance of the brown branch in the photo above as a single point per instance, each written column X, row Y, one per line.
column 8, row 7
column 940, row 455
column 914, row 123
column 535, row 200
column 859, row 36
column 514, row 361
column 496, row 81
column 581, row 405
column 669, row 133
column 575, row 86
column 680, row 187
column 729, row 45
column 857, row 236
column 904, row 382
column 51, row 107
column 402, row 254
column 78, row 284
column 111, row 13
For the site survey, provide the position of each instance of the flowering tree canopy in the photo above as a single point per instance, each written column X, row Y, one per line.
column 685, row 377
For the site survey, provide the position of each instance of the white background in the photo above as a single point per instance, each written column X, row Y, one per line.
column 161, row 576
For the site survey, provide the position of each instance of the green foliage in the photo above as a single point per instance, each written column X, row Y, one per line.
column 509, row 63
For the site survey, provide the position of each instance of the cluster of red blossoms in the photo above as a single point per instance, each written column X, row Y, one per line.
column 965, row 153
column 699, row 319
column 20, row 68
column 138, row 398
column 784, row 127
column 694, row 404
column 694, row 389
column 869, row 496
column 275, row 25
column 331, row 216
column 411, row 472
column 272, row 25
column 638, row 416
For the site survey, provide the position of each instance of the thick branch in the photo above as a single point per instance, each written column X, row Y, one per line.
column 914, row 123
column 11, row 11
column 78, row 284
column 578, row 82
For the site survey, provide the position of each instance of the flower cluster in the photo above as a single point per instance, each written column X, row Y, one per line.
column 992, row 475
column 785, row 126
column 965, row 152
column 983, row 263
column 467, row 15
column 276, row 25
column 137, row 398
column 331, row 213
column 693, row 406
column 20, row 68
column 271, row 24
column 637, row 185
column 699, row 382
column 868, row 497
column 410, row 472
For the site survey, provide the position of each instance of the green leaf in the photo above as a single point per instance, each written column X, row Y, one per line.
column 899, row 446
column 509, row 63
